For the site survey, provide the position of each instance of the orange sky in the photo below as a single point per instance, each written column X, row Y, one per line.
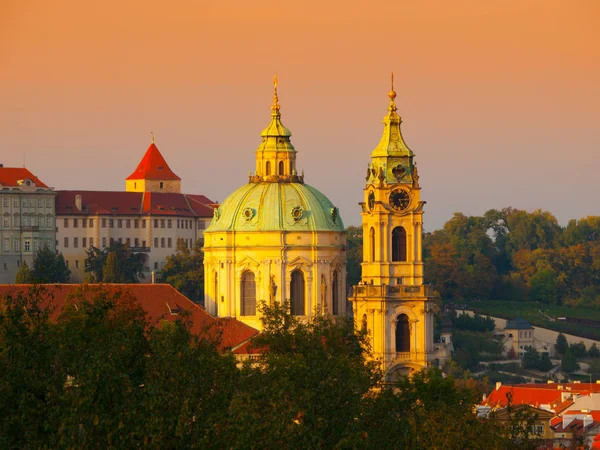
column 500, row 99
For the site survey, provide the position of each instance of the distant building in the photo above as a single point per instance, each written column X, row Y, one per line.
column 150, row 217
column 28, row 219
column 519, row 334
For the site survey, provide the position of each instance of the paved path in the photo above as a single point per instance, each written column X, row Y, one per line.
column 545, row 338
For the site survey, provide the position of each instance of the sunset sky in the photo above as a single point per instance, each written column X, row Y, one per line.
column 500, row 100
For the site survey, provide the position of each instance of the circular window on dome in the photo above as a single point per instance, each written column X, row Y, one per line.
column 297, row 213
column 248, row 213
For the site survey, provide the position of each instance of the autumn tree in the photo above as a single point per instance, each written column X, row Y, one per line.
column 184, row 270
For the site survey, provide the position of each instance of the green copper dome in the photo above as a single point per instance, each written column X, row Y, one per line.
column 276, row 207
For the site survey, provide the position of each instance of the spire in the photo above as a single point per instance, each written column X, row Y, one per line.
column 275, row 107
column 152, row 137
column 391, row 143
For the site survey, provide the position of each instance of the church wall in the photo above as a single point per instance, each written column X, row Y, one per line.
column 142, row 185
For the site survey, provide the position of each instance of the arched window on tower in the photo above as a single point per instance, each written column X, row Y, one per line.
column 372, row 244
column 248, row 291
column 363, row 325
column 280, row 167
column 297, row 293
column 399, row 244
column 268, row 168
column 216, row 288
column 402, row 334
column 335, row 294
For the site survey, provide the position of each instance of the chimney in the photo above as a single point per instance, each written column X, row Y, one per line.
column 78, row 201
column 498, row 384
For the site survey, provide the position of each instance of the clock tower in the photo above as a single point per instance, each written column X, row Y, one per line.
column 391, row 303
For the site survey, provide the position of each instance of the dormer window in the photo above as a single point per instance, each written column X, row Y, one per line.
column 161, row 184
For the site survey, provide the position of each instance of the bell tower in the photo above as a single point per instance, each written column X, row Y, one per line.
column 391, row 302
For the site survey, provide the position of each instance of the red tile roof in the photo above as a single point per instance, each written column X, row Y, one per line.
column 10, row 176
column 539, row 394
column 121, row 203
column 160, row 301
column 153, row 167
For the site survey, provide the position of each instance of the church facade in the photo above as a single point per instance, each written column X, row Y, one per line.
column 391, row 303
column 275, row 239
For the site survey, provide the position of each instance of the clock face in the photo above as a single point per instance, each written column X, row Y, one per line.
column 371, row 200
column 399, row 199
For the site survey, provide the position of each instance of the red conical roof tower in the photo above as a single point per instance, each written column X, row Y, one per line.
column 153, row 174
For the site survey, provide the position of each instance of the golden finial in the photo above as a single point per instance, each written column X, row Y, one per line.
column 152, row 137
column 275, row 106
column 392, row 93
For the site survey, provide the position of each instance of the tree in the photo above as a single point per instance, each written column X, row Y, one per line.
column 354, row 254
column 593, row 352
column 594, row 369
column 561, row 345
column 184, row 270
column 545, row 363
column 579, row 351
column 48, row 267
column 544, row 286
column 24, row 275
column 531, row 359
column 124, row 266
column 568, row 363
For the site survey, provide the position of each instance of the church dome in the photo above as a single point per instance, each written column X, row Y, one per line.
column 266, row 206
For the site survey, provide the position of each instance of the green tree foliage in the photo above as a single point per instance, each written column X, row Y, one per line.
column 354, row 254
column 545, row 363
column 531, row 359
column 594, row 369
column 593, row 352
column 568, row 363
column 24, row 275
column 473, row 323
column 184, row 270
column 562, row 344
column 48, row 267
column 101, row 376
column 544, row 286
column 114, row 264
column 579, row 351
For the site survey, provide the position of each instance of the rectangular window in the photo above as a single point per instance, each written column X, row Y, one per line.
column 76, row 242
column 91, row 223
column 201, row 224
column 39, row 202
column 25, row 221
column 84, row 223
column 111, row 223
column 112, row 241
column 155, row 223
column 77, row 264
column 27, row 245
column 16, row 221
column 66, row 223
column 67, row 261
column 48, row 202
column 120, row 240
column 7, row 245
column 178, row 223
column 16, row 202
column 156, row 242
column 103, row 223
column 136, row 242
column 169, row 223
column 128, row 241
column 91, row 242
column 143, row 223
column 143, row 243
column 6, row 222
column 34, row 221
column 31, row 202
column 17, row 245
column 103, row 242
column 36, row 245
column 66, row 242
column 83, row 242
column 136, row 223
column 128, row 223
column 5, row 202
column 162, row 242
column 120, row 223
column 75, row 223
column 156, row 265
column 49, row 222
column 169, row 243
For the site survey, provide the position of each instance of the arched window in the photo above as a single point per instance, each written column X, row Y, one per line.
column 268, row 168
column 364, row 323
column 248, row 291
column 402, row 334
column 335, row 294
column 297, row 293
column 216, row 295
column 372, row 244
column 399, row 244
column 280, row 167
